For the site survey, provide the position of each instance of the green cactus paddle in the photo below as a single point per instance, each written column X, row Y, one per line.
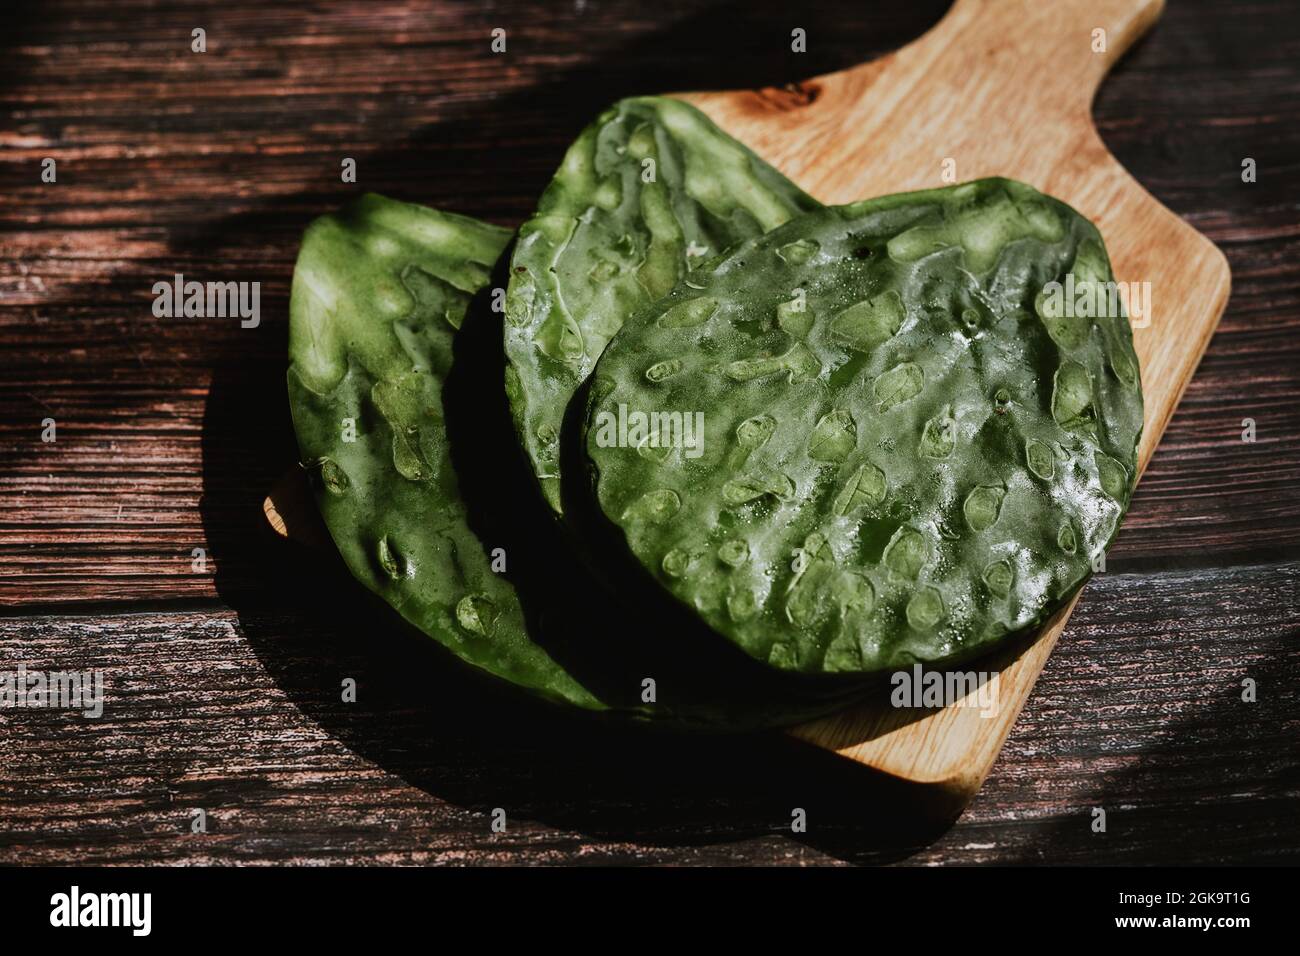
column 647, row 192
column 919, row 414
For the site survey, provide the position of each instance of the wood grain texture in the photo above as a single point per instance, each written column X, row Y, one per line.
column 170, row 431
column 239, row 714
column 216, row 184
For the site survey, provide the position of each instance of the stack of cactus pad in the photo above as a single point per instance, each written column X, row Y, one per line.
column 696, row 450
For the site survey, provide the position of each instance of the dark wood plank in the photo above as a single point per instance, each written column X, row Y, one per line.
column 1138, row 712
column 171, row 430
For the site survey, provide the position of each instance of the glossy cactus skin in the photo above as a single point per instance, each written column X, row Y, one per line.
column 909, row 452
column 381, row 293
column 378, row 294
column 649, row 190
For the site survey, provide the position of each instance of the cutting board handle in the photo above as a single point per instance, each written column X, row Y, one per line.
column 1041, row 57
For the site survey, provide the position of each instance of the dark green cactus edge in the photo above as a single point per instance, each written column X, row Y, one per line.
column 379, row 294
column 647, row 191
column 910, row 452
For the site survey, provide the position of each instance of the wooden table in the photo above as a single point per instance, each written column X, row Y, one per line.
column 223, row 677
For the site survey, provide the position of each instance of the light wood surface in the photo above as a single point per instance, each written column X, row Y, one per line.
column 997, row 88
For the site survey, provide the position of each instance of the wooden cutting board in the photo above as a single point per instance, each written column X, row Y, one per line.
column 997, row 88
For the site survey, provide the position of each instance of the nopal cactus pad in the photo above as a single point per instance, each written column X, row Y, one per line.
column 648, row 191
column 912, row 448
column 379, row 291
